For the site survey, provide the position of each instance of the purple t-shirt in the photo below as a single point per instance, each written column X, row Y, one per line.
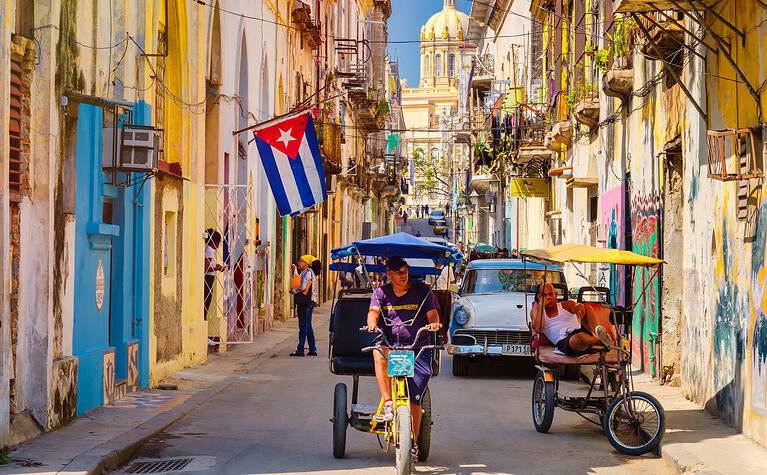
column 398, row 310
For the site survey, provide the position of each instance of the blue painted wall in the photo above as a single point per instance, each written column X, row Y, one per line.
column 127, row 243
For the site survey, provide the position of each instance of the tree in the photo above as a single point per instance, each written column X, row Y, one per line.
column 432, row 174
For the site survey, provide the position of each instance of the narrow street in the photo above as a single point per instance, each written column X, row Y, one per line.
column 274, row 420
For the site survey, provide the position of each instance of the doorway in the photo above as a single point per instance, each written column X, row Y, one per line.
column 673, row 252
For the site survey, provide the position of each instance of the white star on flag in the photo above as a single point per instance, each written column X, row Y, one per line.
column 285, row 137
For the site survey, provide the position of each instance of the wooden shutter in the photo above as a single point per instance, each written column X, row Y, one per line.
column 14, row 128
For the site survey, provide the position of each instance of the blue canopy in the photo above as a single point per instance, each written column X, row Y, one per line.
column 399, row 244
column 381, row 269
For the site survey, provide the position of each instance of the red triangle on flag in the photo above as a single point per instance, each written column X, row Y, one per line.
column 285, row 135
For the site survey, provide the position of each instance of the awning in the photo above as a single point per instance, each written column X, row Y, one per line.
column 589, row 254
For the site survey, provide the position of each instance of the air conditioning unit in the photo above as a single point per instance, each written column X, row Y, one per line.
column 137, row 150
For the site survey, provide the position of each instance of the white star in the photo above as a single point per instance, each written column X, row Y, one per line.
column 285, row 137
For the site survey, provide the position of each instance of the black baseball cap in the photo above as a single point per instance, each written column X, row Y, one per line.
column 395, row 263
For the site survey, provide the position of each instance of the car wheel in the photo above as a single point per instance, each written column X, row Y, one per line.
column 460, row 366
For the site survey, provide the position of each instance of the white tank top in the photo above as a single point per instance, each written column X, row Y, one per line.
column 558, row 327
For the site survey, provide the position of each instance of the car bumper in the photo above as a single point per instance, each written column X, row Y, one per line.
column 479, row 350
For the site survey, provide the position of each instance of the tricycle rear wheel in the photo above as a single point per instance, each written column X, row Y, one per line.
column 635, row 423
column 543, row 403
column 340, row 421
column 424, row 435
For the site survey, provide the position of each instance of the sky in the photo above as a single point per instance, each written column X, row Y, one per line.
column 405, row 22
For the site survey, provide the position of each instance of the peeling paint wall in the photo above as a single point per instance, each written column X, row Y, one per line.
column 7, row 16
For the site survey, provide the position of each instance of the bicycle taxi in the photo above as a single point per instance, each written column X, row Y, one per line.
column 351, row 348
column 633, row 421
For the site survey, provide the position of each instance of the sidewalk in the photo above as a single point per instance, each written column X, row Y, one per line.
column 107, row 437
column 698, row 442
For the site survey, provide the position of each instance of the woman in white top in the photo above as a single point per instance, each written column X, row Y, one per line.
column 212, row 241
column 570, row 326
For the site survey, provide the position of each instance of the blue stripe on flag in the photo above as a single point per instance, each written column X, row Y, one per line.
column 314, row 146
column 273, row 175
column 304, row 188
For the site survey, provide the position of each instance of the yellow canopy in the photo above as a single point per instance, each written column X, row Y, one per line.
column 580, row 253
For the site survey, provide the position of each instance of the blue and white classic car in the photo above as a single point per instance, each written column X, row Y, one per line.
column 488, row 316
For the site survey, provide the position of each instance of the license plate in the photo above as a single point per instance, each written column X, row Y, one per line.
column 401, row 363
column 516, row 349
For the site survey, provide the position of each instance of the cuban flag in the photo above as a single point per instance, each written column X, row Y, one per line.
column 290, row 153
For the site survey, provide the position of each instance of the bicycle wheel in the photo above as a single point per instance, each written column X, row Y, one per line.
column 424, row 435
column 340, row 421
column 404, row 441
column 543, row 403
column 635, row 423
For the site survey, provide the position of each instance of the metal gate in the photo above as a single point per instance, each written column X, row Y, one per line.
column 229, row 212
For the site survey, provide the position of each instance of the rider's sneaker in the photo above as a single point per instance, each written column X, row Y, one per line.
column 603, row 336
column 387, row 414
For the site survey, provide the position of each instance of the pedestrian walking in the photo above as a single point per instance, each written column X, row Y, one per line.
column 447, row 209
column 212, row 241
column 303, row 295
column 426, row 210
column 404, row 218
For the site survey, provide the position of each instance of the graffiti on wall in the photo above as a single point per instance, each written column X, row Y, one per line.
column 758, row 324
column 729, row 333
column 645, row 226
column 611, row 219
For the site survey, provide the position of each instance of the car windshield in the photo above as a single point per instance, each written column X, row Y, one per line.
column 437, row 214
column 484, row 281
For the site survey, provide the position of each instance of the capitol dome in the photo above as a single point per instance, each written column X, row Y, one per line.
column 448, row 24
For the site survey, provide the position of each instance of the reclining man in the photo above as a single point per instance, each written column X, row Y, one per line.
column 573, row 328
column 402, row 300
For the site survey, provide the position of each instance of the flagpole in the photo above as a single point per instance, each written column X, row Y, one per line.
column 288, row 115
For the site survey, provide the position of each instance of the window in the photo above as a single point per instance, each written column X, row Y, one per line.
column 169, row 245
column 451, row 65
column 426, row 65
column 482, row 281
column 438, row 65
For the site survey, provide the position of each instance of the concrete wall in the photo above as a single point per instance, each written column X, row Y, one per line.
column 724, row 339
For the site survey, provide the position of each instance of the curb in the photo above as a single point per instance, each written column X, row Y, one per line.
column 114, row 453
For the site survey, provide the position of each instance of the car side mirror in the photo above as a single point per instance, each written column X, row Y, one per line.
column 454, row 288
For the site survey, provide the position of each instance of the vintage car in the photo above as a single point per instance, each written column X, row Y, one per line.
column 440, row 227
column 488, row 315
column 435, row 215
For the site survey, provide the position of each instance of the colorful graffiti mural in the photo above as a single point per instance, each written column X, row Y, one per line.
column 758, row 324
column 645, row 225
column 729, row 338
column 611, row 219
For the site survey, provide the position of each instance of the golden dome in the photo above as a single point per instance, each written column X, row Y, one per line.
column 448, row 24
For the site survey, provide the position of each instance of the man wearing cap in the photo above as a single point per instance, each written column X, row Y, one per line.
column 304, row 297
column 407, row 307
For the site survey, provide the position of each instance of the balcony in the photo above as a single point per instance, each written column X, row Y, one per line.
column 484, row 72
column 530, row 133
column 480, row 183
column 559, row 138
column 666, row 37
column 310, row 30
column 618, row 83
column 330, row 137
column 645, row 6
column 587, row 111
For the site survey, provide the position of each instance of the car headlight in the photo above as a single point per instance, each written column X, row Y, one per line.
column 461, row 316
